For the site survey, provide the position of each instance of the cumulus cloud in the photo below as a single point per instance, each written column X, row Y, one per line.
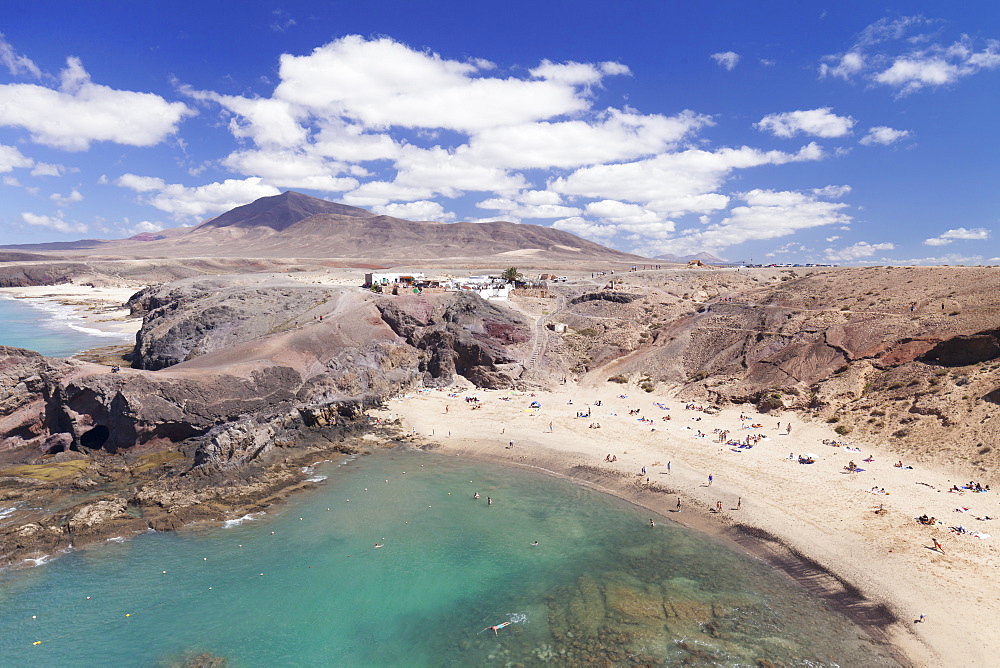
column 57, row 224
column 146, row 226
column 47, row 169
column 520, row 209
column 767, row 214
column 959, row 233
column 382, row 83
column 11, row 159
column 674, row 184
column 292, row 169
column 817, row 122
column 893, row 53
column 419, row 210
column 726, row 59
column 66, row 200
column 79, row 112
column 832, row 192
column 582, row 227
column 16, row 63
column 184, row 203
column 883, row 135
column 855, row 252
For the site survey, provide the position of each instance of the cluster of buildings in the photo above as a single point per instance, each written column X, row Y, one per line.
column 487, row 287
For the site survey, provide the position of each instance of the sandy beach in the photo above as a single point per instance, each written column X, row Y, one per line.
column 100, row 308
column 817, row 521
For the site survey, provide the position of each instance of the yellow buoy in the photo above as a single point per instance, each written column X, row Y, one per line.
column 37, row 642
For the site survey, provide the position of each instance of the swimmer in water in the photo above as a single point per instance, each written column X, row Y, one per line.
column 476, row 495
column 496, row 627
column 377, row 545
column 534, row 544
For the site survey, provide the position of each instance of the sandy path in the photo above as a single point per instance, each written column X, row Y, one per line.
column 818, row 510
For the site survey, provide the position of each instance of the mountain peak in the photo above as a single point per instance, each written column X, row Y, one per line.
column 279, row 212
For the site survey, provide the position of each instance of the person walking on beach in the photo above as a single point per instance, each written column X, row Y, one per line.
column 937, row 545
column 668, row 467
column 789, row 430
column 718, row 506
column 710, row 479
column 678, row 504
column 739, row 502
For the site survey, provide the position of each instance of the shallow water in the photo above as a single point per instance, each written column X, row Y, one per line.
column 600, row 584
column 50, row 328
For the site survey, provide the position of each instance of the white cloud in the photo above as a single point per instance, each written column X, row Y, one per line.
column 883, row 135
column 381, row 83
column 200, row 202
column 950, row 258
column 577, row 74
column 832, row 192
column 887, row 53
column 726, row 59
column 81, row 112
column 16, row 63
column 291, row 169
column 847, row 66
column 11, row 181
column 11, row 159
column 855, row 252
column 66, row 200
column 46, row 169
column 960, row 233
column 420, row 210
column 818, row 122
column 586, row 229
column 520, row 210
column 674, row 184
column 53, row 223
column 146, row 226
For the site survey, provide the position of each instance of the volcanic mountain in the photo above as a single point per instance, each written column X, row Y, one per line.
column 293, row 225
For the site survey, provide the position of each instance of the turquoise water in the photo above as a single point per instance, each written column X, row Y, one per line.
column 600, row 585
column 50, row 328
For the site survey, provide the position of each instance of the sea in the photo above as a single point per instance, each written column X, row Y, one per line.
column 50, row 328
column 392, row 561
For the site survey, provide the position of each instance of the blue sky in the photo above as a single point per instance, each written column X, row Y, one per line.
column 853, row 132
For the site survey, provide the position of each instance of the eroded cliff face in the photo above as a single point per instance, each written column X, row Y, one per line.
column 460, row 335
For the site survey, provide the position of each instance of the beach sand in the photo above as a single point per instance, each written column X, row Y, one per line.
column 817, row 521
column 101, row 308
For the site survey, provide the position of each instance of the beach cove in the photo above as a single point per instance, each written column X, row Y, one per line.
column 817, row 521
column 393, row 561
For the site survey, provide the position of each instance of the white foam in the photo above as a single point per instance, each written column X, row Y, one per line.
column 64, row 317
column 44, row 559
column 5, row 512
column 316, row 478
column 116, row 539
column 246, row 518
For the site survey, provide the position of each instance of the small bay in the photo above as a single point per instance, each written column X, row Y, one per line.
column 304, row 584
column 50, row 328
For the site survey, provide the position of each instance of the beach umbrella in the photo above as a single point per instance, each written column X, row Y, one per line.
column 535, row 404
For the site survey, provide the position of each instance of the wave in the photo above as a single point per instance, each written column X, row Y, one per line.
column 63, row 317
column 240, row 520
column 44, row 559
column 316, row 478
column 5, row 512
column 116, row 539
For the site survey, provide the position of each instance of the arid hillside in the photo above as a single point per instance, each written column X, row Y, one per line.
column 905, row 354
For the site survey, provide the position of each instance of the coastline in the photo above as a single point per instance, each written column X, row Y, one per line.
column 93, row 311
column 817, row 523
